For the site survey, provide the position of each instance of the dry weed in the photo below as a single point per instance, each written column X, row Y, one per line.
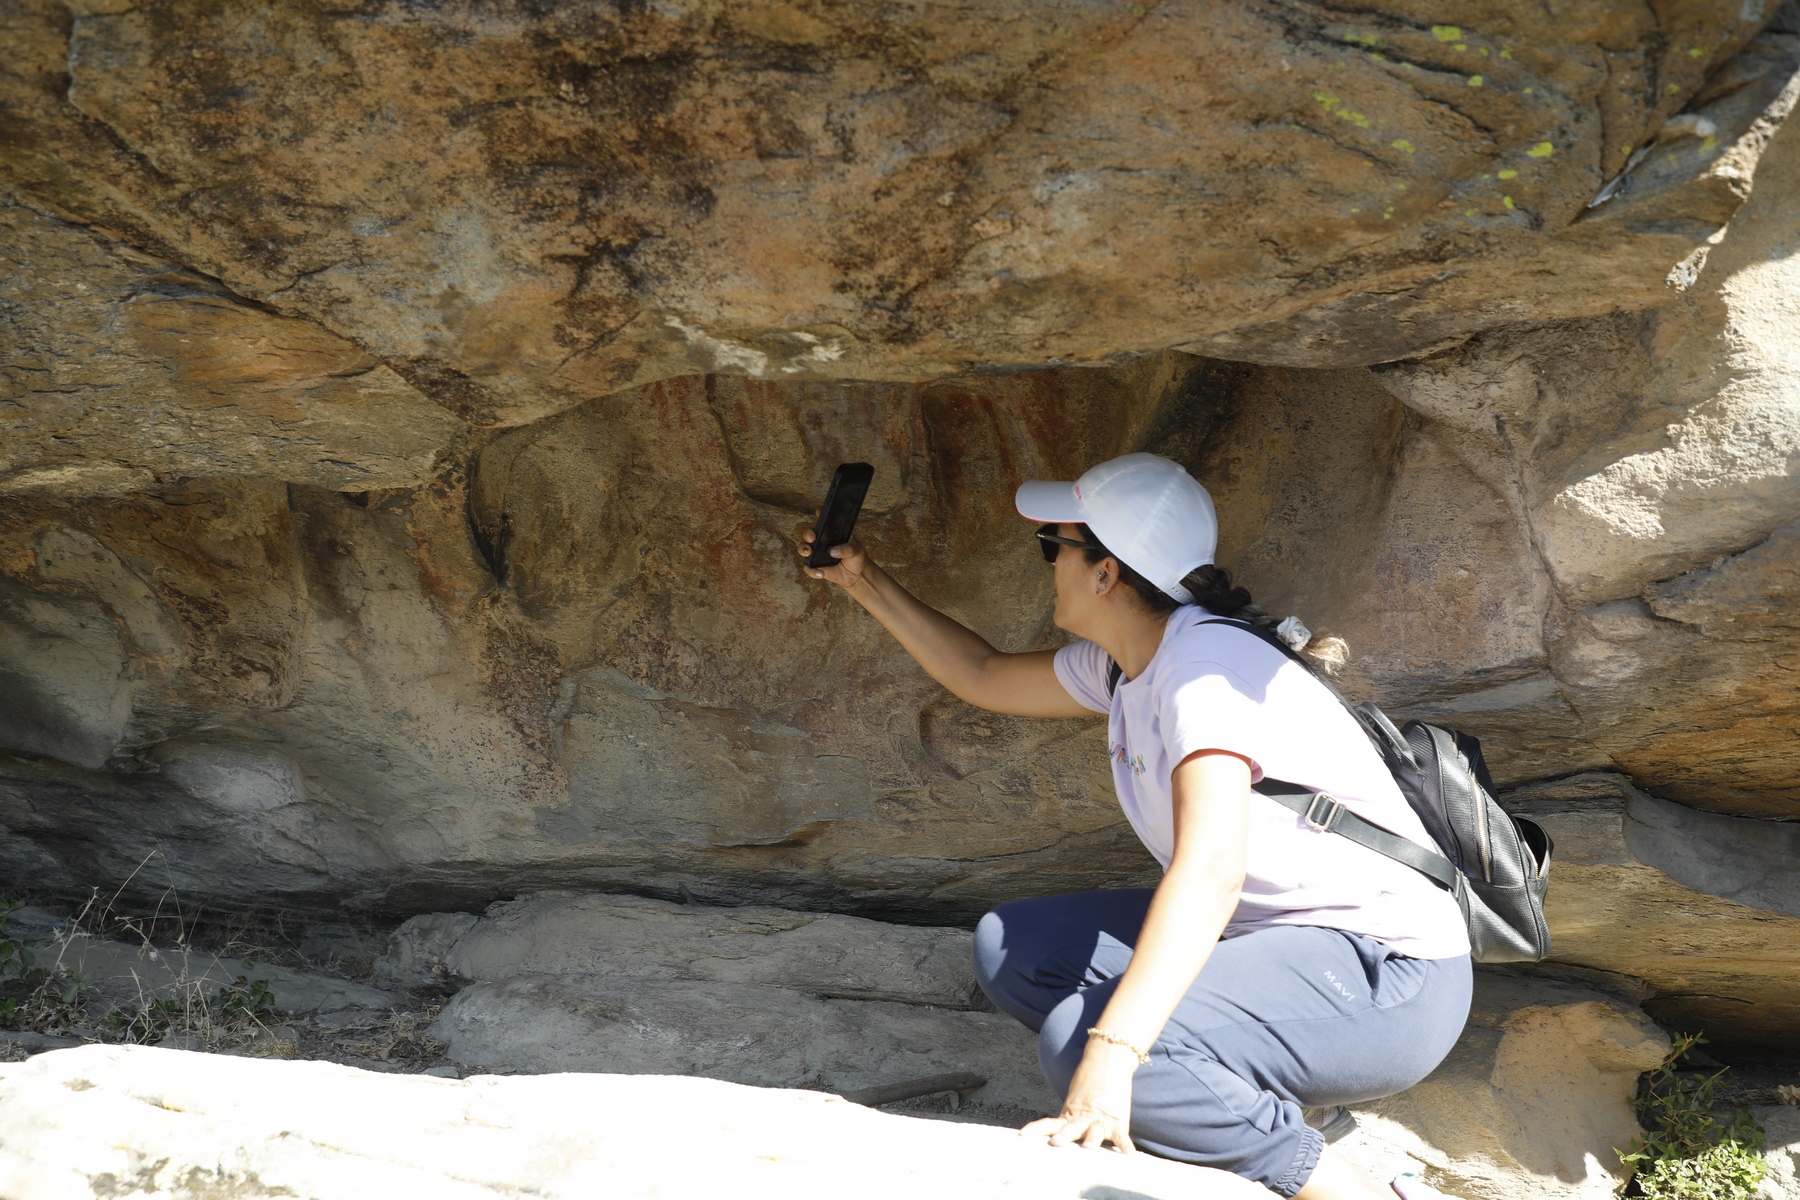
column 400, row 1036
column 43, row 998
column 227, row 1018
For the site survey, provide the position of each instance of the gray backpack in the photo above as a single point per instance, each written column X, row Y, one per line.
column 1495, row 864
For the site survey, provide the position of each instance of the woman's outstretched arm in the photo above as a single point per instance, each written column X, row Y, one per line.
column 1193, row 902
column 1024, row 685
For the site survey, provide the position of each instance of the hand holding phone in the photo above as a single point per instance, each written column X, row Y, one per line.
column 837, row 518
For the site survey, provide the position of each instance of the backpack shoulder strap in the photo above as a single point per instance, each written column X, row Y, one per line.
column 1320, row 810
column 1324, row 813
column 1328, row 815
column 1115, row 672
column 1356, row 711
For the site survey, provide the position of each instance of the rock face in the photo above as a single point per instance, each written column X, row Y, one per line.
column 124, row 368
column 829, row 955
column 1705, row 962
column 107, row 1120
column 1667, row 539
column 1530, row 1103
column 747, row 1033
column 521, row 209
column 401, row 454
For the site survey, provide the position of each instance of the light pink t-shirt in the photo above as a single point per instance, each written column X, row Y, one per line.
column 1218, row 687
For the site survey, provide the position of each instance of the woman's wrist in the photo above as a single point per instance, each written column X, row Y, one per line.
column 861, row 587
column 1139, row 1051
column 1113, row 1059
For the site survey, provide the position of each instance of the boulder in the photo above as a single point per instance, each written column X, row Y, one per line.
column 104, row 1120
column 745, row 1033
column 1532, row 1104
column 1532, row 1101
column 1648, row 462
column 761, row 996
column 826, row 954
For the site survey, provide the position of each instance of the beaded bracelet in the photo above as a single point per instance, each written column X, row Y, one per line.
column 1097, row 1032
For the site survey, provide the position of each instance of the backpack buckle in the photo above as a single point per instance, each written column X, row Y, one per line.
column 1322, row 813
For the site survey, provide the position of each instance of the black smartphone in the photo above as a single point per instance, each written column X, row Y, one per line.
column 849, row 484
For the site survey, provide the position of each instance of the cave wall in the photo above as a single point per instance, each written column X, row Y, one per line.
column 578, row 652
column 396, row 507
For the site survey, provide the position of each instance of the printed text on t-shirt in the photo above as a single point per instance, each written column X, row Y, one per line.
column 1126, row 759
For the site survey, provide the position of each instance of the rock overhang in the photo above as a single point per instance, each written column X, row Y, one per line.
column 395, row 473
column 518, row 209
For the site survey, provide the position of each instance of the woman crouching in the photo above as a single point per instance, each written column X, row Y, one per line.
column 1277, row 967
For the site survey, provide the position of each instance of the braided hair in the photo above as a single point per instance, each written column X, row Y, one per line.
column 1212, row 589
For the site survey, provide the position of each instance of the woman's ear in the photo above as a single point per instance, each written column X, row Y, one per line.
column 1106, row 574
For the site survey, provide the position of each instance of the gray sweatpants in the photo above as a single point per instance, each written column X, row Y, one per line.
column 1277, row 1019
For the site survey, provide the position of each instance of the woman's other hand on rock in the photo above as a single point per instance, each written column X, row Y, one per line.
column 1098, row 1110
column 852, row 560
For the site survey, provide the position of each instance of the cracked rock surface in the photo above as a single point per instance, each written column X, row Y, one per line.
column 400, row 452
column 521, row 208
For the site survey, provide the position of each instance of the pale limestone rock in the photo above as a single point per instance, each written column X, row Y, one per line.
column 826, row 954
column 1530, row 1105
column 1781, row 1130
column 763, row 996
column 99, row 1120
column 745, row 1033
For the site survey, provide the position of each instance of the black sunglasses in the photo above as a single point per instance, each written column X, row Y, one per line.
column 1049, row 540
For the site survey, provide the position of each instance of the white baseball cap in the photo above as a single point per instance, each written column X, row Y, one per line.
column 1144, row 508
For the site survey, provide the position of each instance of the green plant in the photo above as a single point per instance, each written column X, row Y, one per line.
column 1687, row 1152
column 226, row 1017
column 18, row 968
column 1727, row 1171
column 244, row 1001
column 31, row 995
